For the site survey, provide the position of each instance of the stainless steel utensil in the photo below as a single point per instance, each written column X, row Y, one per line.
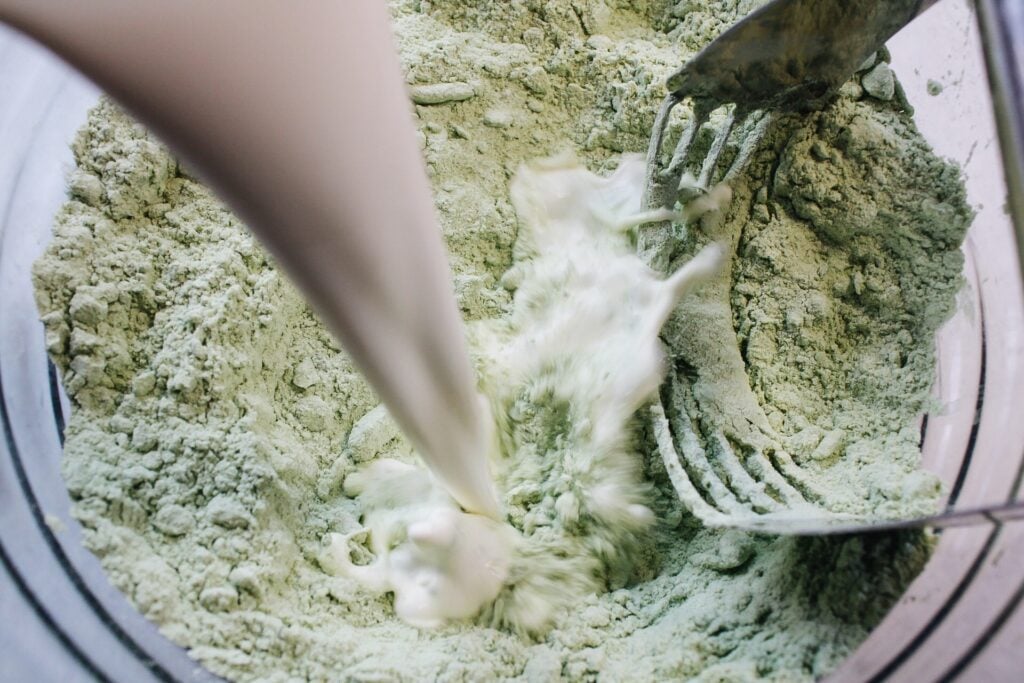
column 790, row 55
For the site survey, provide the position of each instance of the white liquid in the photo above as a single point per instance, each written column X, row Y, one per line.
column 586, row 305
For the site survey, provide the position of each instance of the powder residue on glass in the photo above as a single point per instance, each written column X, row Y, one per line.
column 215, row 422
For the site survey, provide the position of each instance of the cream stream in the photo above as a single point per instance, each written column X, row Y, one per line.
column 310, row 140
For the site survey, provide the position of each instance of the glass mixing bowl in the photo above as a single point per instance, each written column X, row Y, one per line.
column 963, row 616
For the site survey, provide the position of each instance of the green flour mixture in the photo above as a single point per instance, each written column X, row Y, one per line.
column 215, row 419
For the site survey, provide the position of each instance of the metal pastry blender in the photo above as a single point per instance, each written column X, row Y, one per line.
column 789, row 55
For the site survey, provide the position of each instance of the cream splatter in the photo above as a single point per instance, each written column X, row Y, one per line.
column 579, row 352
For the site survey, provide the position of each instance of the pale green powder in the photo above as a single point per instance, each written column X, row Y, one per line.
column 212, row 412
